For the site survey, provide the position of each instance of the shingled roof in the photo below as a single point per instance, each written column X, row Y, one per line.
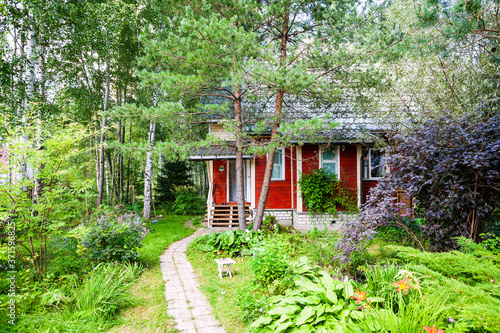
column 216, row 152
column 353, row 126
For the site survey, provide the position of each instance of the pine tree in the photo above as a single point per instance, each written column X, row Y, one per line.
column 172, row 173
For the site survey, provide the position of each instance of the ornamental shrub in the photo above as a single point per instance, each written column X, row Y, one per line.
column 115, row 238
column 451, row 169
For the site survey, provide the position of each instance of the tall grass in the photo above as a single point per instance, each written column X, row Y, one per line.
column 105, row 290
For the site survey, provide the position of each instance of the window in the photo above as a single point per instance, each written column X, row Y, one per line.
column 329, row 159
column 376, row 163
column 373, row 164
column 279, row 165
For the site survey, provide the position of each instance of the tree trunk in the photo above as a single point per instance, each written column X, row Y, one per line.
column 128, row 163
column 240, row 188
column 148, row 173
column 259, row 214
column 100, row 181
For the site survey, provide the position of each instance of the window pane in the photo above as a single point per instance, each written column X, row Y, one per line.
column 330, row 167
column 278, row 165
column 377, row 162
column 328, row 155
column 277, row 157
column 276, row 172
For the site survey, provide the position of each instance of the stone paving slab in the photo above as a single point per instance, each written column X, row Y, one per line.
column 186, row 303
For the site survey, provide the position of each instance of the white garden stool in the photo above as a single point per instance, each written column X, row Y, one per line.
column 224, row 266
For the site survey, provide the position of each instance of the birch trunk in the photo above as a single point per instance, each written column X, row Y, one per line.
column 102, row 157
column 148, row 173
column 259, row 214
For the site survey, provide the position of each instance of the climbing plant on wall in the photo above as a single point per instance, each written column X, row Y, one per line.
column 323, row 192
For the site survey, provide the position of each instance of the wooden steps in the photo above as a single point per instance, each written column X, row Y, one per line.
column 227, row 215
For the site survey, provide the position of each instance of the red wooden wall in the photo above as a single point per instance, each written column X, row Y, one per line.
column 280, row 191
column 367, row 186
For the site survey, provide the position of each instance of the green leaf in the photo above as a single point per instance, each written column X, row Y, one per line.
column 283, row 327
column 332, row 296
column 311, row 300
column 348, row 289
column 264, row 320
column 326, row 280
column 306, row 315
column 280, row 310
column 290, row 300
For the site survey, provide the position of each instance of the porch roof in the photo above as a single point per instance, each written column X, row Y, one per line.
column 216, row 152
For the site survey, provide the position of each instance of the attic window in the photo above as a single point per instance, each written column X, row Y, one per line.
column 279, row 165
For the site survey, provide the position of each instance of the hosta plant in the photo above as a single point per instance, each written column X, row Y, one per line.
column 316, row 303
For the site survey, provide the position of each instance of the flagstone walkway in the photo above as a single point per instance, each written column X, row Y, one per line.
column 186, row 303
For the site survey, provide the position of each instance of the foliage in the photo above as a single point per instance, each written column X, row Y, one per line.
column 187, row 201
column 81, row 306
column 317, row 302
column 468, row 285
column 270, row 265
column 105, row 290
column 232, row 242
column 115, row 238
column 270, row 224
column 450, row 167
column 172, row 174
column 491, row 242
column 47, row 192
column 319, row 246
column 322, row 192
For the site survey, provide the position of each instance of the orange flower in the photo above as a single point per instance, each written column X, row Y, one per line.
column 359, row 296
column 432, row 329
column 403, row 285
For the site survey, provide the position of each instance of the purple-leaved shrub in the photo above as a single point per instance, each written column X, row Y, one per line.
column 451, row 169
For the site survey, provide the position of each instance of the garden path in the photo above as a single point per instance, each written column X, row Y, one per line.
column 186, row 303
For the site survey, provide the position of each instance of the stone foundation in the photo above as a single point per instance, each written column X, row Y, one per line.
column 306, row 221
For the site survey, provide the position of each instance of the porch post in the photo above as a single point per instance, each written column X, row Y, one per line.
column 358, row 172
column 299, row 173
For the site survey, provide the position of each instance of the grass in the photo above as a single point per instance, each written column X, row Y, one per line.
column 222, row 293
column 150, row 312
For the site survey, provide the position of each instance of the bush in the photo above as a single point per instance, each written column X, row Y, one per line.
column 187, row 201
column 269, row 263
column 450, row 167
column 232, row 242
column 115, row 238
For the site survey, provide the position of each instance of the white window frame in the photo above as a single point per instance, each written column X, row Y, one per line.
column 370, row 165
column 282, row 152
column 337, row 158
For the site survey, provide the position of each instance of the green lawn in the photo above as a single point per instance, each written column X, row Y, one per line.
column 150, row 313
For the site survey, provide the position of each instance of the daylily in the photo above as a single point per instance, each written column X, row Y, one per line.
column 359, row 296
column 403, row 285
column 432, row 329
